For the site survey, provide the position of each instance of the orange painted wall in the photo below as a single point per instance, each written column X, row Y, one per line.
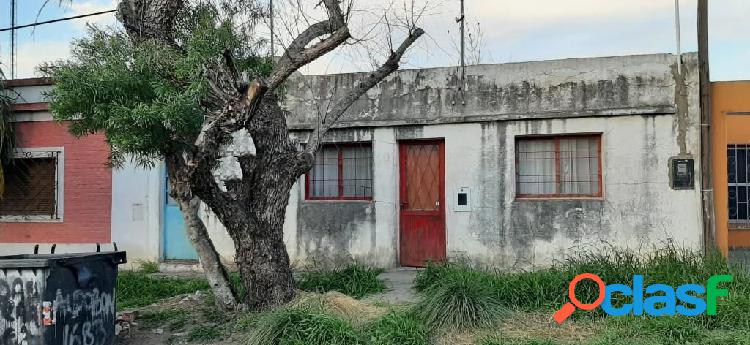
column 728, row 129
column 88, row 188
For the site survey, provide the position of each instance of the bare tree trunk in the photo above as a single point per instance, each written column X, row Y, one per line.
column 216, row 273
column 253, row 209
column 264, row 265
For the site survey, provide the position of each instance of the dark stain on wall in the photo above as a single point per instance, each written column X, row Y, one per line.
column 433, row 94
column 325, row 230
column 542, row 220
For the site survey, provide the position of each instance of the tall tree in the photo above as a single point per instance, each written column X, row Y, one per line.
column 171, row 87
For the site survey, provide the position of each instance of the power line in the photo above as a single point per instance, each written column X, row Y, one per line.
column 56, row 20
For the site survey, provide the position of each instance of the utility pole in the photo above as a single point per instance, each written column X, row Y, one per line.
column 462, row 20
column 677, row 32
column 13, row 15
column 270, row 13
column 709, row 224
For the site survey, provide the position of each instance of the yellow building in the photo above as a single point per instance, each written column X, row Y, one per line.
column 731, row 165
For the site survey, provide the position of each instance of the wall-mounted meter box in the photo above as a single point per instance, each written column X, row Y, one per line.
column 683, row 173
column 462, row 199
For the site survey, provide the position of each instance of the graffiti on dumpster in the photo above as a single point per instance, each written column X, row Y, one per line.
column 19, row 308
column 76, row 316
column 84, row 316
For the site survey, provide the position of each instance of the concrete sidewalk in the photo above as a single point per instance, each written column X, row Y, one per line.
column 399, row 284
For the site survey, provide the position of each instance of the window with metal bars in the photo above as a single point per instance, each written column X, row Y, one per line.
column 341, row 172
column 558, row 166
column 31, row 187
column 738, row 162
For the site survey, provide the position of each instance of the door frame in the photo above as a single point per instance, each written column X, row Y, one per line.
column 402, row 188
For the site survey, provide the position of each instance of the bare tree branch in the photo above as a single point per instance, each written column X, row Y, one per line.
column 298, row 53
column 390, row 65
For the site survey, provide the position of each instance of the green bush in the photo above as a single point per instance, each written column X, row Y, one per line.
column 462, row 299
column 397, row 327
column 354, row 280
column 302, row 326
column 138, row 289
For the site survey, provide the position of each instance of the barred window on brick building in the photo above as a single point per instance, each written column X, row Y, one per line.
column 31, row 186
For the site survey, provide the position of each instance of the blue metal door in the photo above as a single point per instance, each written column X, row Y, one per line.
column 177, row 246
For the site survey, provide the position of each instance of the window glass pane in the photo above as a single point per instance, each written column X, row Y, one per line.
column 742, row 211
column 741, row 165
column 733, row 203
column 357, row 171
column 732, row 164
column 579, row 166
column 536, row 166
column 324, row 176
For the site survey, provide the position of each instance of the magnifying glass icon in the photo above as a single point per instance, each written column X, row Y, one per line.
column 568, row 308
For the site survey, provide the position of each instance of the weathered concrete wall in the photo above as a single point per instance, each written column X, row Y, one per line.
column 548, row 89
column 630, row 100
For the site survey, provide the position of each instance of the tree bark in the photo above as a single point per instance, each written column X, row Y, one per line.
column 252, row 209
column 216, row 273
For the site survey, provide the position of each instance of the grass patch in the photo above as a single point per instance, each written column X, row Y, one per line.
column 525, row 294
column 298, row 326
column 138, row 289
column 147, row 266
column 546, row 289
column 516, row 342
column 354, row 280
column 398, row 327
column 204, row 333
column 155, row 318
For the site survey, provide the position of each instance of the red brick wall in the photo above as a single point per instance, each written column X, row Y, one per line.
column 88, row 188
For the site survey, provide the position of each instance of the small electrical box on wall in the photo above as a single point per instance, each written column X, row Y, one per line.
column 463, row 199
column 683, row 173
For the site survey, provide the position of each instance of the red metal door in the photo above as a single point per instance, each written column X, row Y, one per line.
column 422, row 169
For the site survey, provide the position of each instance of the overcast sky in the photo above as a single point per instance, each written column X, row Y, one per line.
column 511, row 31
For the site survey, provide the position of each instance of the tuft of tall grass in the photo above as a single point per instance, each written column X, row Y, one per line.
column 353, row 280
column 397, row 327
column 301, row 326
column 462, row 299
column 147, row 266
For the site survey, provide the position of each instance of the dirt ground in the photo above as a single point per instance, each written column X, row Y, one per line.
column 178, row 320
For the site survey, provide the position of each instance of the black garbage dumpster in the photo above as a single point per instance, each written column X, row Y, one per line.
column 65, row 299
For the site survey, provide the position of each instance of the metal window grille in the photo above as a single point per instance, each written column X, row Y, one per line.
column 32, row 186
column 559, row 166
column 341, row 172
column 738, row 161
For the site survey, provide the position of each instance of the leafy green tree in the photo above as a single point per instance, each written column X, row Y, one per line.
column 174, row 85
